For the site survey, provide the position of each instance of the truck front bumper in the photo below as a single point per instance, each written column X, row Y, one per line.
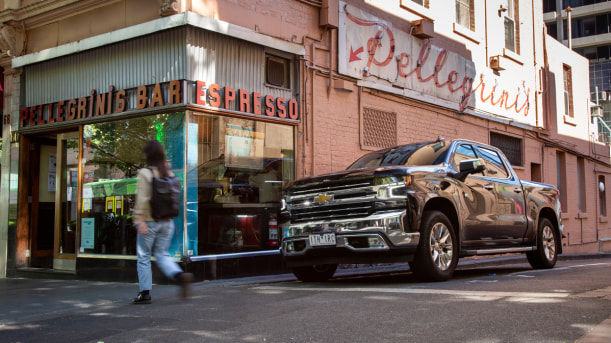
column 377, row 238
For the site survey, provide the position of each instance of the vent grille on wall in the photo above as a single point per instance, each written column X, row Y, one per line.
column 276, row 72
column 379, row 129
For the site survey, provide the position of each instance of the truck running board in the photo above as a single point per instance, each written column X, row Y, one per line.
column 499, row 251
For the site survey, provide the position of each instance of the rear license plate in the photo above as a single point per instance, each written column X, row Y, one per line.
column 322, row 239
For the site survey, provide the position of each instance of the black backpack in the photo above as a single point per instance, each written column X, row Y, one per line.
column 165, row 196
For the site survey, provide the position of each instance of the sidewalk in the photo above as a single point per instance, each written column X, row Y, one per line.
column 27, row 300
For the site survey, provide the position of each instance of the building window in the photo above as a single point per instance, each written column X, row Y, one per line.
column 379, row 129
column 581, row 184
column 568, row 90
column 277, row 71
column 464, row 14
column 561, row 179
column 549, row 6
column 510, row 17
column 424, row 3
column 510, row 146
column 535, row 172
column 602, row 195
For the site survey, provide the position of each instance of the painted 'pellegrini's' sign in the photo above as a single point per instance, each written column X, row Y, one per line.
column 370, row 49
column 158, row 95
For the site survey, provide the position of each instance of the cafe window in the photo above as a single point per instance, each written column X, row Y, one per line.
column 112, row 155
column 236, row 172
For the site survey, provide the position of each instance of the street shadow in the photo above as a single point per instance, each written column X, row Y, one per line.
column 402, row 277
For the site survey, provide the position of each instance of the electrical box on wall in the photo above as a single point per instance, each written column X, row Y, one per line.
column 495, row 63
column 423, row 28
column 329, row 13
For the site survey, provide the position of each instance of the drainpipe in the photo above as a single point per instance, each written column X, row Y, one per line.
column 486, row 30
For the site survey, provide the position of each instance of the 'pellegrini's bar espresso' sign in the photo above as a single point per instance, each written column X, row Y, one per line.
column 158, row 95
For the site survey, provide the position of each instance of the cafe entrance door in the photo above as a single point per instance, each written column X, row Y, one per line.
column 48, row 202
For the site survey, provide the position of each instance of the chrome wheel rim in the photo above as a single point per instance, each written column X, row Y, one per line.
column 548, row 243
column 441, row 246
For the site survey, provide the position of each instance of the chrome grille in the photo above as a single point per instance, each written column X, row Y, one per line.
column 331, row 200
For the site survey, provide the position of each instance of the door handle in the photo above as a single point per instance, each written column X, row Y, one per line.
column 489, row 187
column 517, row 190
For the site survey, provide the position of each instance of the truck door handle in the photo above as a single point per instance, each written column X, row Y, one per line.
column 489, row 187
column 517, row 190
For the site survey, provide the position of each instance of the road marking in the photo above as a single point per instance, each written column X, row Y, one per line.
column 536, row 271
column 495, row 294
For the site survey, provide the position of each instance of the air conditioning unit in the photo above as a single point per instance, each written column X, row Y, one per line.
column 604, row 96
column 596, row 112
column 495, row 63
column 423, row 28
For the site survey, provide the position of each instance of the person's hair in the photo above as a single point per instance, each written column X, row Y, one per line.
column 155, row 156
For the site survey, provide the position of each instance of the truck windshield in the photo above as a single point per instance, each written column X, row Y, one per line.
column 418, row 154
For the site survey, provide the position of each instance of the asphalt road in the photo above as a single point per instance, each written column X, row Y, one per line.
column 482, row 303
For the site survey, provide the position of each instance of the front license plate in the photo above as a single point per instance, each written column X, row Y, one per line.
column 322, row 239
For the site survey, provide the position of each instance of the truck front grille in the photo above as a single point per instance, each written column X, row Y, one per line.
column 332, row 201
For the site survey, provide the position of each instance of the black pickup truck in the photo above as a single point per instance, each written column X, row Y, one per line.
column 424, row 203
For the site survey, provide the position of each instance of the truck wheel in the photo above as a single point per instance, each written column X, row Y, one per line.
column 437, row 254
column 317, row 273
column 547, row 253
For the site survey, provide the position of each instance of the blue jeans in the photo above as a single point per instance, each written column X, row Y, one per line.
column 156, row 242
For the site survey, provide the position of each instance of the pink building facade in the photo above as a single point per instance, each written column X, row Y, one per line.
column 239, row 89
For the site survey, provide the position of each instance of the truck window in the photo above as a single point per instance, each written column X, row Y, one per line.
column 494, row 163
column 423, row 154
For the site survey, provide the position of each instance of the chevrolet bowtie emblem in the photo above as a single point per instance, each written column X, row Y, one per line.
column 322, row 198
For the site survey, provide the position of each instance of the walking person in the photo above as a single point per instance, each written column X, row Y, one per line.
column 154, row 235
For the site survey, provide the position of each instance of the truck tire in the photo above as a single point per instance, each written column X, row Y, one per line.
column 317, row 273
column 547, row 250
column 437, row 254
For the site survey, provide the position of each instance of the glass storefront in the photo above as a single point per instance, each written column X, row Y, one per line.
column 112, row 156
column 237, row 168
column 233, row 170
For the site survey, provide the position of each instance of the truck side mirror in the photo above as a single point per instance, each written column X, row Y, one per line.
column 469, row 167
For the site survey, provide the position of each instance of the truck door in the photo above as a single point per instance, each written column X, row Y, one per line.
column 478, row 202
column 508, row 209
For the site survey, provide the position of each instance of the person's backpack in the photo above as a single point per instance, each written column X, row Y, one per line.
column 165, row 196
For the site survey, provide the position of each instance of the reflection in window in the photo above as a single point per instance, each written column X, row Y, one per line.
column 463, row 152
column 567, row 81
column 113, row 155
column 236, row 170
column 602, row 195
column 494, row 164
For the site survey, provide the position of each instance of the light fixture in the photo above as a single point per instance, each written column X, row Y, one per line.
column 501, row 10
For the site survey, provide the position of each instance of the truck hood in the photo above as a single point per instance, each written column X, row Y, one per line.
column 362, row 174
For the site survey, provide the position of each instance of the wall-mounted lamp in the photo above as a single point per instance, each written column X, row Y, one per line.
column 501, row 10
